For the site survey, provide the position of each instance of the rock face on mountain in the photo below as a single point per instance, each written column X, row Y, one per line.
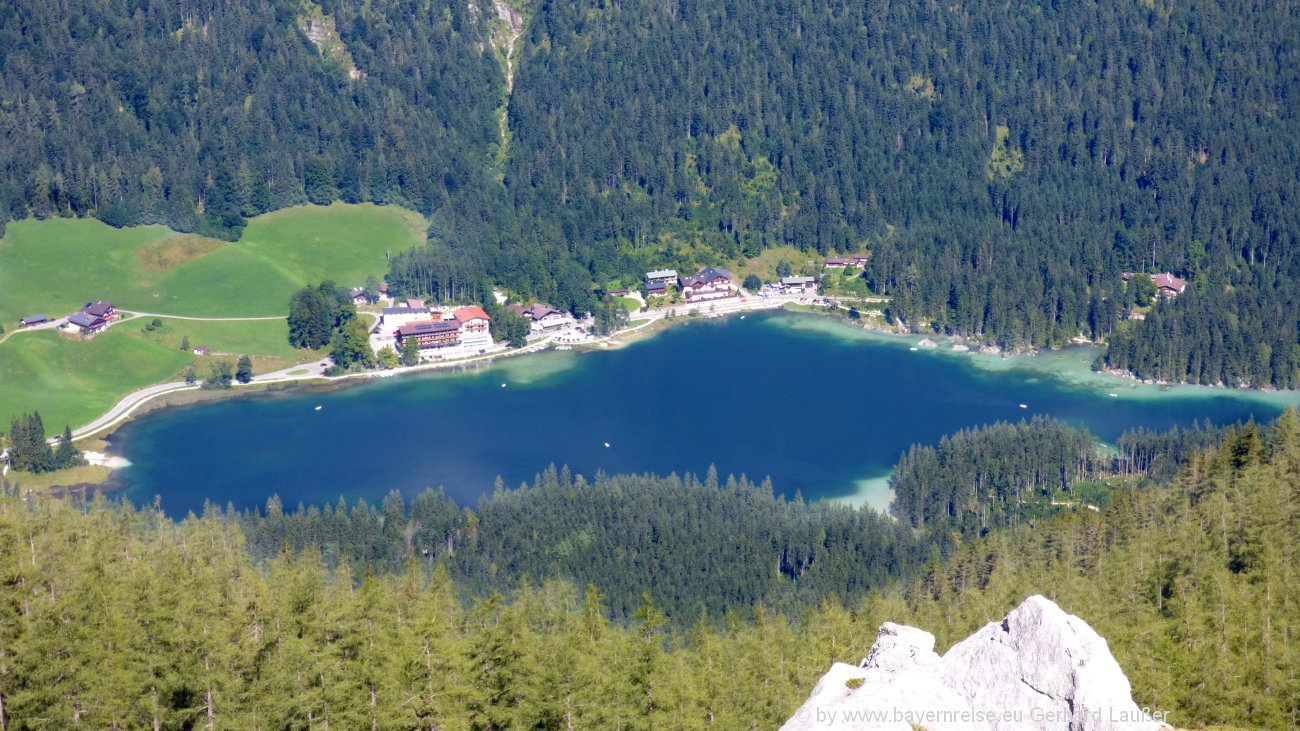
column 1039, row 668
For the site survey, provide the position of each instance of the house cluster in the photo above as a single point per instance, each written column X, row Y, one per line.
column 542, row 317
column 92, row 318
column 708, row 284
column 1167, row 285
column 844, row 262
column 437, row 333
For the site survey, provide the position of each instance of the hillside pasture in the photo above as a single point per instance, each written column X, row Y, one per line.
column 72, row 381
column 55, row 266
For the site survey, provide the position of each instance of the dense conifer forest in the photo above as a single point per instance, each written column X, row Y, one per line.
column 1003, row 474
column 1004, row 163
column 695, row 547
column 113, row 617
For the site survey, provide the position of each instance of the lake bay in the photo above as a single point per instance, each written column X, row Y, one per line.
column 820, row 407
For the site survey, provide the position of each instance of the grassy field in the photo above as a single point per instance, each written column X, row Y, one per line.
column 53, row 267
column 764, row 265
column 72, row 381
column 268, row 338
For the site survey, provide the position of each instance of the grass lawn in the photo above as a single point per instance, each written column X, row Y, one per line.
column 72, row 381
column 261, row 337
column 53, row 267
column 764, row 265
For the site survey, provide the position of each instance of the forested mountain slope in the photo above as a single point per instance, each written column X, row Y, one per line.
column 197, row 114
column 1003, row 162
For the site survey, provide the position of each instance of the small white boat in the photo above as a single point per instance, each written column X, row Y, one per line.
column 912, row 349
column 742, row 317
column 1114, row 395
column 318, row 408
column 503, row 385
column 1024, row 406
column 606, row 444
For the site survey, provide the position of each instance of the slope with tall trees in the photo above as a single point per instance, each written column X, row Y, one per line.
column 199, row 114
column 1003, row 163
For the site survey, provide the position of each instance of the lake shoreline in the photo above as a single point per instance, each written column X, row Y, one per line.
column 832, row 324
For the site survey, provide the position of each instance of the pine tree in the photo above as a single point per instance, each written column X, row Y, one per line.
column 244, row 369
column 67, row 455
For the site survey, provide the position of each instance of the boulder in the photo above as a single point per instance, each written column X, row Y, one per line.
column 1038, row 668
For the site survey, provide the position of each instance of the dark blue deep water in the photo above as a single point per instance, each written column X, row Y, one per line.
column 817, row 406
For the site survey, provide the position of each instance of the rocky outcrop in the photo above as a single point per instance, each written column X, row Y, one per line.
column 1039, row 668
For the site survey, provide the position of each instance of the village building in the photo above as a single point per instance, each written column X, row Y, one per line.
column 357, row 295
column 103, row 309
column 202, row 350
column 33, row 320
column 394, row 317
column 656, row 289
column 859, row 260
column 465, row 328
column 414, row 303
column 1169, row 286
column 543, row 317
column 667, row 276
column 430, row 334
column 837, row 262
column 710, row 283
column 475, row 327
column 798, row 285
column 93, row 317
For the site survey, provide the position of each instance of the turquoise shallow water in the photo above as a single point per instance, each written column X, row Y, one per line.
column 818, row 406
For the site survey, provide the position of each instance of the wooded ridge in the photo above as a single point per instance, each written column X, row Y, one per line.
column 1003, row 163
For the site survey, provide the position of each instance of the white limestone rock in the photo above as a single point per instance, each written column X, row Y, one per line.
column 1039, row 668
column 901, row 672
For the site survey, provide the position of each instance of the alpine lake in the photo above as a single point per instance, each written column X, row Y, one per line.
column 821, row 407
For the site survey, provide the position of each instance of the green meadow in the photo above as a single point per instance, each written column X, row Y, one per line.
column 53, row 267
column 72, row 381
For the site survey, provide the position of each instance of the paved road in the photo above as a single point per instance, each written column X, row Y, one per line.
column 128, row 314
column 133, row 313
column 128, row 404
column 34, row 328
